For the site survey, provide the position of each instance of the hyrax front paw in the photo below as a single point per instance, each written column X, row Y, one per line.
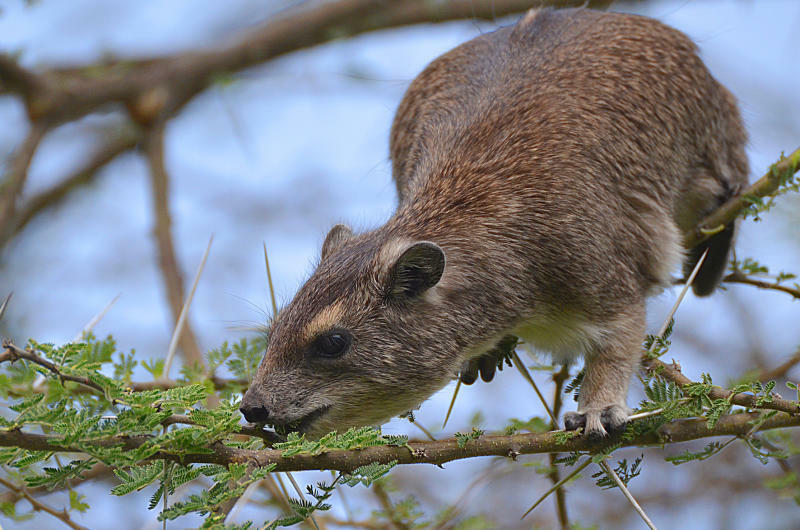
column 598, row 423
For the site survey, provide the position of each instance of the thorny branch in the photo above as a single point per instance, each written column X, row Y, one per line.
column 12, row 353
column 97, row 471
column 424, row 452
column 673, row 373
column 728, row 212
column 435, row 452
column 38, row 505
column 740, row 277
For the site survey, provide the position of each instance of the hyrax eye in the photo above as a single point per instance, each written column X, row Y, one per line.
column 332, row 344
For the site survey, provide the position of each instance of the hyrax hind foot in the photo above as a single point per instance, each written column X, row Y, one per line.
column 598, row 423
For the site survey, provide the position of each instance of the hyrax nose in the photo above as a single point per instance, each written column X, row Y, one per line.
column 254, row 413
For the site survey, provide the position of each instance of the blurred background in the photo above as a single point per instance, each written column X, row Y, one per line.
column 279, row 152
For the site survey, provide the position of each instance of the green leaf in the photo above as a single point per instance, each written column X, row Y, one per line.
column 368, row 474
column 57, row 477
column 137, row 477
column 687, row 456
column 462, row 439
column 76, row 502
column 625, row 474
column 155, row 367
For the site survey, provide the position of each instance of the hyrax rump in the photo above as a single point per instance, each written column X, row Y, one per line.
column 546, row 173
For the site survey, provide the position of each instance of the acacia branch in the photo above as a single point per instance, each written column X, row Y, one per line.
column 674, row 374
column 12, row 353
column 63, row 515
column 248, row 430
column 437, row 452
column 740, row 277
column 97, row 471
column 766, row 186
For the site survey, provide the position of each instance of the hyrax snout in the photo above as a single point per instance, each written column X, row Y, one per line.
column 546, row 173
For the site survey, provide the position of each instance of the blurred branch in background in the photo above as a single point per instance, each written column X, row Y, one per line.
column 162, row 230
column 153, row 90
column 56, row 194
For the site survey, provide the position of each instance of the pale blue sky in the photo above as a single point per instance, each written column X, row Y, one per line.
column 300, row 144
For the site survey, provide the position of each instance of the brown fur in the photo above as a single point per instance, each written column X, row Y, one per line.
column 551, row 167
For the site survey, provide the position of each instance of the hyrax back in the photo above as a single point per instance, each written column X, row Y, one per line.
column 545, row 173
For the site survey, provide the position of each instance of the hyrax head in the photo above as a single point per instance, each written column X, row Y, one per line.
column 358, row 344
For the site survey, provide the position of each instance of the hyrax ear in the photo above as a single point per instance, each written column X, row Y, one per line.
column 338, row 235
column 418, row 268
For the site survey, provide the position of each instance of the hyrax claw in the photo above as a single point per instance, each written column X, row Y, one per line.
column 598, row 423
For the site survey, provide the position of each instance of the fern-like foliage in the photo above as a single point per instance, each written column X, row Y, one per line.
column 624, row 472
column 354, row 438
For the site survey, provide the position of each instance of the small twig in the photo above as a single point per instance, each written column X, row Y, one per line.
column 11, row 186
column 12, row 353
column 613, row 474
column 674, row 374
column 413, row 421
column 555, row 474
column 740, row 277
column 250, row 430
column 300, row 493
column 59, row 192
column 386, row 503
column 557, row 485
column 173, row 343
column 728, row 212
column 63, row 515
column 525, row 374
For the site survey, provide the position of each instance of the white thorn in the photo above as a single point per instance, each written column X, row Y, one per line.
column 173, row 343
column 5, row 304
column 611, row 473
column 97, row 318
column 679, row 300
